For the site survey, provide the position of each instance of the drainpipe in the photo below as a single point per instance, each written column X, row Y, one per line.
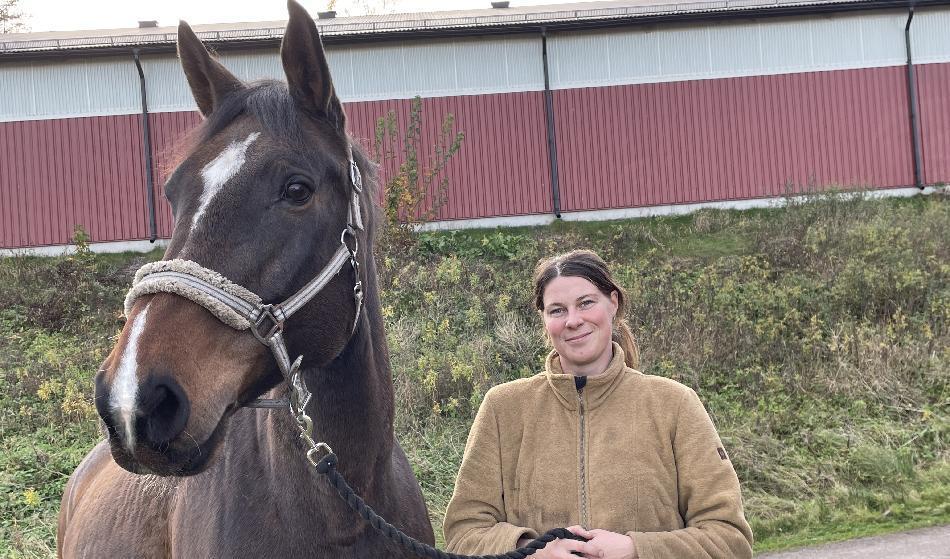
column 549, row 116
column 147, row 146
column 912, row 101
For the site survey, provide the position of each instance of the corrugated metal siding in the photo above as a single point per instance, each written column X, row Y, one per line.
column 61, row 173
column 734, row 49
column 625, row 146
column 89, row 171
column 502, row 167
column 730, row 139
column 108, row 86
column 931, row 42
column 933, row 86
column 167, row 129
column 43, row 90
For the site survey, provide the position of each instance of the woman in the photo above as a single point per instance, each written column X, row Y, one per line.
column 629, row 461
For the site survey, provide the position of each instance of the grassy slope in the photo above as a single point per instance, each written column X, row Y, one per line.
column 817, row 336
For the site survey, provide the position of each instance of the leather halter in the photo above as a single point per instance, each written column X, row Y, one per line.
column 241, row 309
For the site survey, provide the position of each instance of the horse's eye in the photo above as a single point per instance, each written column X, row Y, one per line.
column 297, row 193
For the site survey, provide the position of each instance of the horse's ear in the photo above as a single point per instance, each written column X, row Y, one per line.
column 210, row 82
column 306, row 68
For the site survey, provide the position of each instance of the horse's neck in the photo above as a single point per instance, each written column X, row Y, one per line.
column 352, row 404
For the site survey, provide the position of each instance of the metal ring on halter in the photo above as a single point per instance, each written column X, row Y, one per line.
column 267, row 313
column 352, row 234
column 311, row 454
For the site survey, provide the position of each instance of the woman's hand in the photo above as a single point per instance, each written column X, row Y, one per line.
column 607, row 545
column 564, row 549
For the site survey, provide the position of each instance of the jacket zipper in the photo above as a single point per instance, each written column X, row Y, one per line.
column 585, row 522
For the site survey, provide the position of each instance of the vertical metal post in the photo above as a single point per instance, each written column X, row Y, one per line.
column 549, row 116
column 147, row 146
column 912, row 102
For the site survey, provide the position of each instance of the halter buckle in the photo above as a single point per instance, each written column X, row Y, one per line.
column 356, row 178
column 268, row 314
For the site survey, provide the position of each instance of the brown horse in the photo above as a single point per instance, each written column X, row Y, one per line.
column 261, row 199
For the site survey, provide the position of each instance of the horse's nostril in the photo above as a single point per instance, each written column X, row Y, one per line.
column 163, row 411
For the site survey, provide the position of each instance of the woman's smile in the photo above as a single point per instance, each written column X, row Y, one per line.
column 578, row 338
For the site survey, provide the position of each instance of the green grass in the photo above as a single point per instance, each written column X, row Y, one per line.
column 817, row 335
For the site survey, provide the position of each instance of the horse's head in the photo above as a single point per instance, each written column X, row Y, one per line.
column 262, row 199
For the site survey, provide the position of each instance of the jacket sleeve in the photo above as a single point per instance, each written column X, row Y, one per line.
column 709, row 498
column 475, row 520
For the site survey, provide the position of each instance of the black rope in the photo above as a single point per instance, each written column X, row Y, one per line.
column 327, row 467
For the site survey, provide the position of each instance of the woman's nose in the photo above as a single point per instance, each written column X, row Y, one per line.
column 573, row 319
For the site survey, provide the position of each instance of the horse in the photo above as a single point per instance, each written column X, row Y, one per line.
column 259, row 201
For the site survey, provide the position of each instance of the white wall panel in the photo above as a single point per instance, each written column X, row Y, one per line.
column 524, row 71
column 735, row 48
column 930, row 31
column 443, row 68
column 103, row 86
column 634, row 54
column 732, row 49
column 786, row 45
column 684, row 52
column 381, row 73
column 579, row 58
column 483, row 62
column 430, row 69
column 836, row 42
column 254, row 65
column 166, row 85
column 341, row 70
column 60, row 88
column 882, row 38
column 113, row 86
column 16, row 91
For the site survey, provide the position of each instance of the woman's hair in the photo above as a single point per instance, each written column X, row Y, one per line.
column 586, row 264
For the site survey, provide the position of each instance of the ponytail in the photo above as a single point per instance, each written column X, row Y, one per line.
column 624, row 336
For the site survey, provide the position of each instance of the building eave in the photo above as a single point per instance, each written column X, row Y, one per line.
column 433, row 25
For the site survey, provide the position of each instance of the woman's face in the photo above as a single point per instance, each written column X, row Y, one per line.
column 579, row 319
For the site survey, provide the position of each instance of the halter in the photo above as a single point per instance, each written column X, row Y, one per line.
column 242, row 309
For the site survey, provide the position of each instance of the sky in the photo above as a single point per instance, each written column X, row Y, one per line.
column 68, row 15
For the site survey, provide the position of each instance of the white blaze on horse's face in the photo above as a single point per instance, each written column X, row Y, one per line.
column 125, row 388
column 219, row 171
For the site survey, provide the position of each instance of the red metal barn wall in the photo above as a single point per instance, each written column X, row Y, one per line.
column 934, row 91
column 732, row 138
column 502, row 167
column 643, row 117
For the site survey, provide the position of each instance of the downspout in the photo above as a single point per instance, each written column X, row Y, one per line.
column 147, row 146
column 912, row 102
column 549, row 116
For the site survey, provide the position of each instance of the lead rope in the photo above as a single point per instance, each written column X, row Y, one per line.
column 326, row 466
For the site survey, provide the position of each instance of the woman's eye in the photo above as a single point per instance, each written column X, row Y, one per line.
column 297, row 193
column 587, row 303
column 555, row 312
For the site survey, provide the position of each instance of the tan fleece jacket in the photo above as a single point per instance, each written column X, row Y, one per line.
column 630, row 453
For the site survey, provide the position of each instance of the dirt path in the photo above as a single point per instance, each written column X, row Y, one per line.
column 925, row 543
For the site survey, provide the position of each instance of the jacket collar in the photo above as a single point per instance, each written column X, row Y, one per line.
column 597, row 388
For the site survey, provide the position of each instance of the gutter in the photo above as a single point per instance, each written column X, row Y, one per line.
column 549, row 117
column 912, row 103
column 147, row 147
